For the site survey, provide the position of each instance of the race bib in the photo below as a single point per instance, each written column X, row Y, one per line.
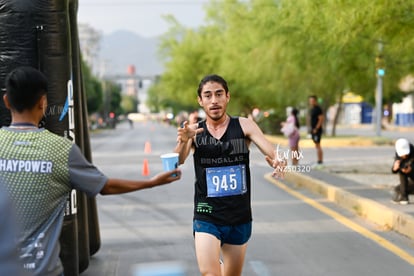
column 226, row 181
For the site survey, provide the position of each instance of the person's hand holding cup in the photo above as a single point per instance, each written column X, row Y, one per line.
column 169, row 161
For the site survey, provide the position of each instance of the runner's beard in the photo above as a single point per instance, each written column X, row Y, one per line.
column 217, row 114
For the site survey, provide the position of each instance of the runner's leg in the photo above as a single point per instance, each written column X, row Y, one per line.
column 207, row 248
column 233, row 259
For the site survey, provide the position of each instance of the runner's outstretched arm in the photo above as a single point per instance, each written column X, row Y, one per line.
column 253, row 131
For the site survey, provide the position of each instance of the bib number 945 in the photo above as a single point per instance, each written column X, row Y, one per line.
column 226, row 181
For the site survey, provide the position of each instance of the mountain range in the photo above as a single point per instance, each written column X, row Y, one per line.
column 122, row 48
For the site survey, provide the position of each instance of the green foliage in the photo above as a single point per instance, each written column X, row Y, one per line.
column 271, row 124
column 103, row 96
column 129, row 104
column 93, row 89
column 112, row 98
column 276, row 53
column 158, row 100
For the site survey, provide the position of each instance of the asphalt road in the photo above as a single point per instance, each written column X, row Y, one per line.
column 290, row 236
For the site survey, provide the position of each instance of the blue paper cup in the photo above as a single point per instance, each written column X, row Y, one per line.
column 169, row 161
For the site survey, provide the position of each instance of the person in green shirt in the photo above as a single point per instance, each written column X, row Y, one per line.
column 40, row 169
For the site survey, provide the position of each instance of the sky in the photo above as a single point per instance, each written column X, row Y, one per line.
column 143, row 17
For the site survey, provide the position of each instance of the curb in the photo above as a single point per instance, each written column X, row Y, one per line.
column 371, row 210
column 329, row 142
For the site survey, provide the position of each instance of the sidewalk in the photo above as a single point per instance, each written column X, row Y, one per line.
column 351, row 188
column 372, row 203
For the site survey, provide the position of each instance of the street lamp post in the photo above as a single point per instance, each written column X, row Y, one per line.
column 380, row 72
column 378, row 101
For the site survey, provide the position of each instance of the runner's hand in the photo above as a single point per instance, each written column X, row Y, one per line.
column 278, row 166
column 187, row 132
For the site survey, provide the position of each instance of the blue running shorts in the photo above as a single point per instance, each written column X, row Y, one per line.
column 234, row 234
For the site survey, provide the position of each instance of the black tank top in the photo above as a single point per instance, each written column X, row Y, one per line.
column 222, row 186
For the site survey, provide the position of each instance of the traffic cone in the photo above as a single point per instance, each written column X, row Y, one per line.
column 147, row 148
column 145, row 168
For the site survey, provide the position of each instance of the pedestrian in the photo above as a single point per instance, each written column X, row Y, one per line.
column 40, row 169
column 316, row 123
column 131, row 123
column 290, row 128
column 194, row 117
column 222, row 222
column 403, row 165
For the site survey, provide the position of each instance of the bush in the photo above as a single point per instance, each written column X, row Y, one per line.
column 271, row 124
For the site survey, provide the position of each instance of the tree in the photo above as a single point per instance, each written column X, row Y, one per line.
column 112, row 98
column 129, row 104
column 276, row 53
column 93, row 89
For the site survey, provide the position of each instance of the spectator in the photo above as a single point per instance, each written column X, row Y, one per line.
column 194, row 118
column 403, row 165
column 40, row 169
column 290, row 129
column 316, row 122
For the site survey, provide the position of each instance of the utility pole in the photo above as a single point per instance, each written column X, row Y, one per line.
column 380, row 72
